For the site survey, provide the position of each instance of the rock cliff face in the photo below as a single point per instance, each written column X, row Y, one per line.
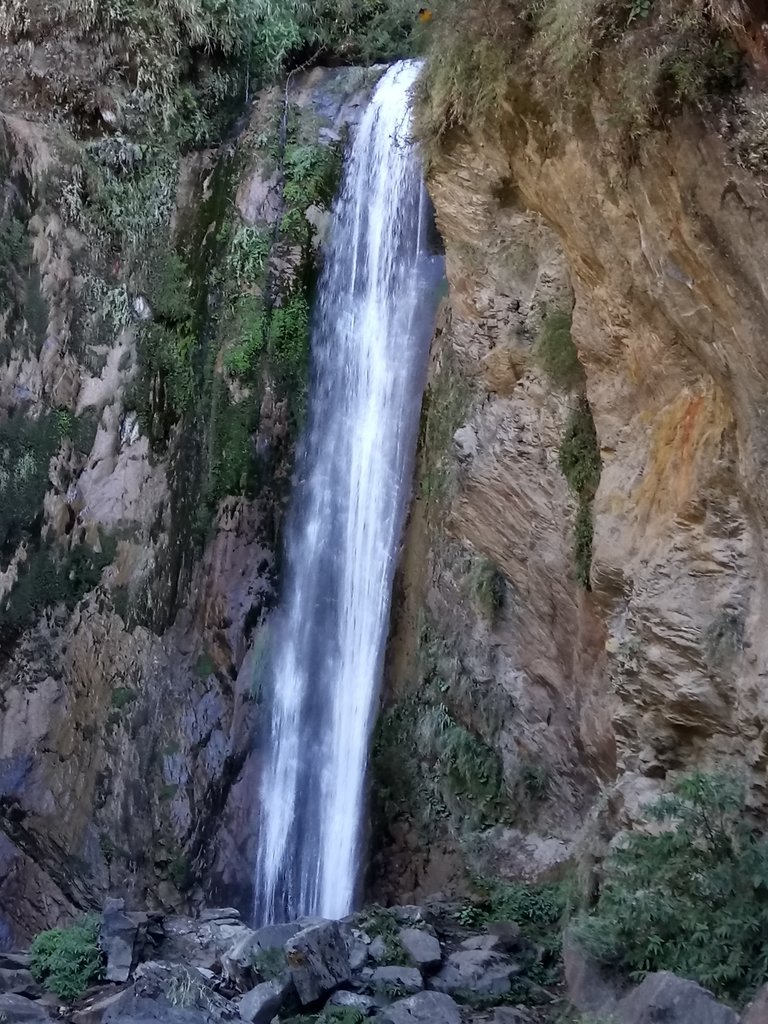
column 153, row 348
column 583, row 699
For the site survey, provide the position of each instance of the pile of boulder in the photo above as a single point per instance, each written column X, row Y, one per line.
column 400, row 966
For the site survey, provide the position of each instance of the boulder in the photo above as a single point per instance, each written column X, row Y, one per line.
column 240, row 961
column 591, row 988
column 408, row 915
column 199, row 943
column 96, row 1011
column 14, row 961
column 143, row 1010
column 400, row 981
column 120, row 937
column 179, row 986
column 220, row 914
column 17, row 1009
column 423, row 1008
column 422, row 947
column 18, row 980
column 488, row 942
column 476, row 971
column 261, row 1004
column 511, row 937
column 378, row 949
column 318, row 961
column 665, row 997
column 356, row 1000
column 357, row 943
column 757, row 1011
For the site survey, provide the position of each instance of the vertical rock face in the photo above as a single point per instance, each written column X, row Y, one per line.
column 153, row 347
column 657, row 667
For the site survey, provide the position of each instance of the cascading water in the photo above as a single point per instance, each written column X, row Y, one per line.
column 370, row 337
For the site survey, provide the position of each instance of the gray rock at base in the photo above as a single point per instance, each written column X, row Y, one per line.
column 408, row 915
column 476, row 971
column 318, row 961
column 357, row 943
column 219, row 914
column 487, row 942
column 365, row 1004
column 20, row 981
column 261, row 1004
column 511, row 937
column 511, row 1015
column 120, row 935
column 180, row 987
column 239, row 960
column 757, row 1011
column 15, row 961
column 378, row 949
column 423, row 1008
column 591, row 988
column 17, row 1009
column 665, row 997
column 199, row 943
column 403, row 980
column 144, row 1010
column 422, row 947
column 98, row 1009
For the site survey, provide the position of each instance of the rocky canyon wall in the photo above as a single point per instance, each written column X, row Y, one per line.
column 575, row 697
column 153, row 363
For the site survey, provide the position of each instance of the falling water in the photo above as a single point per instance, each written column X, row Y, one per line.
column 370, row 338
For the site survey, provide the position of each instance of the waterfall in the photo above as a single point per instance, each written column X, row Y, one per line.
column 370, row 336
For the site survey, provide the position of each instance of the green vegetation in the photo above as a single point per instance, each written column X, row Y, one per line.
column 556, row 353
column 381, row 923
column 312, row 175
column 692, row 895
column 330, row 1015
column 67, row 960
column 122, row 696
column 652, row 57
column 581, row 466
column 269, row 963
column 488, row 585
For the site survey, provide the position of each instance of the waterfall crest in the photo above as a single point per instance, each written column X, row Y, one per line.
column 370, row 337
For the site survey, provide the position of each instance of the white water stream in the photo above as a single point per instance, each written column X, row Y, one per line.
column 370, row 338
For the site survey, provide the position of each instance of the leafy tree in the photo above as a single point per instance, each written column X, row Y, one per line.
column 692, row 895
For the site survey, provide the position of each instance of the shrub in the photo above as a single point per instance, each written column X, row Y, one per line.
column 488, row 586
column 691, row 898
column 556, row 352
column 581, row 466
column 67, row 960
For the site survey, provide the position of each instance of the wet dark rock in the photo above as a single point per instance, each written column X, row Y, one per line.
column 423, row 1008
column 318, row 961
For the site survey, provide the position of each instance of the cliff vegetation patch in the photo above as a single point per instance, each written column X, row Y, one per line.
column 690, row 896
column 67, row 960
column 581, row 466
column 650, row 59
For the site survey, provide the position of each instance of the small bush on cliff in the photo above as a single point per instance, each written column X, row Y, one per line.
column 581, row 466
column 556, row 352
column 692, row 897
column 67, row 960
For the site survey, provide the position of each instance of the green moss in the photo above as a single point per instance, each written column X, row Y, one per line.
column 556, row 353
column 445, row 408
column 122, row 696
column 488, row 586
